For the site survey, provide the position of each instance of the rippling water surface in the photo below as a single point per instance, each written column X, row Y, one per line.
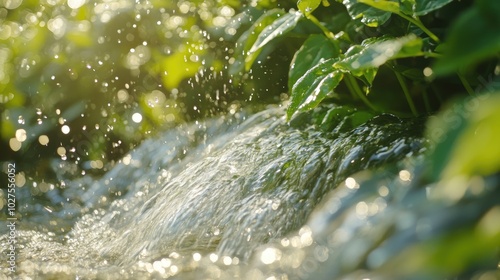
column 201, row 199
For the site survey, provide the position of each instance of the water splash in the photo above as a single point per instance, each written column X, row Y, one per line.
column 246, row 181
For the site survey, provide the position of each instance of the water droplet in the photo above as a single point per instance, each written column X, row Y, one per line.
column 213, row 257
column 137, row 117
column 14, row 144
column 61, row 151
column 196, row 257
column 43, row 139
column 21, row 135
column 75, row 4
column 270, row 255
column 405, row 175
column 65, row 129
column 351, row 183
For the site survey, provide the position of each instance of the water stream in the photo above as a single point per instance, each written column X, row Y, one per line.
column 201, row 200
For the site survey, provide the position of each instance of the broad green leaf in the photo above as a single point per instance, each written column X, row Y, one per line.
column 409, row 7
column 369, row 15
column 367, row 75
column 374, row 53
column 423, row 7
column 474, row 36
column 315, row 49
column 308, row 6
column 388, row 6
column 277, row 28
column 314, row 86
column 247, row 39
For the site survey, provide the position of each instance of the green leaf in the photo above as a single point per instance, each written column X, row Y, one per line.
column 315, row 49
column 409, row 7
column 367, row 75
column 249, row 37
column 370, row 16
column 308, row 6
column 279, row 27
column 314, row 86
column 475, row 36
column 388, row 6
column 375, row 52
column 423, row 7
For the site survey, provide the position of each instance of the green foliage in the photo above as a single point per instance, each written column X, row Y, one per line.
column 408, row 45
column 307, row 7
column 311, row 77
column 314, row 80
column 373, row 53
column 92, row 67
column 475, row 36
column 420, row 8
column 369, row 15
column 312, row 87
column 173, row 62
column 315, row 49
column 269, row 27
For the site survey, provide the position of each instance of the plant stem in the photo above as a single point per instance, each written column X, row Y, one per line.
column 350, row 88
column 437, row 93
column 420, row 25
column 466, row 84
column 330, row 35
column 359, row 93
column 407, row 93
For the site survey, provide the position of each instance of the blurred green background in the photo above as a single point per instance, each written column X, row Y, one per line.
column 85, row 81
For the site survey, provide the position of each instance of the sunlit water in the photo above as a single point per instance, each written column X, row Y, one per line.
column 250, row 196
column 200, row 200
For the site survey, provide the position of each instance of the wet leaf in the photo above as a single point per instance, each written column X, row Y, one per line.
column 423, row 7
column 277, row 28
column 308, row 6
column 314, row 86
column 409, row 7
column 369, row 15
column 474, row 37
column 375, row 52
column 316, row 48
column 368, row 74
column 248, row 39
column 388, row 6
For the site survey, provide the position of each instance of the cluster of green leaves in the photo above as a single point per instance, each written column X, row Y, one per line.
column 356, row 41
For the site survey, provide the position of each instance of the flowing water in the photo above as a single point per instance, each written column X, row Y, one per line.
column 201, row 200
column 329, row 195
